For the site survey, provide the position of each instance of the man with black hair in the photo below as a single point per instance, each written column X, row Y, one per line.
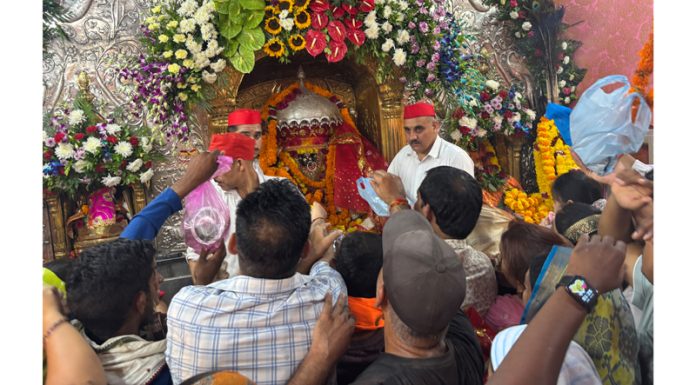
column 260, row 322
column 112, row 290
column 451, row 200
column 359, row 260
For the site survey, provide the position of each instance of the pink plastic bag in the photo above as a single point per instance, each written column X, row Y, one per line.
column 206, row 216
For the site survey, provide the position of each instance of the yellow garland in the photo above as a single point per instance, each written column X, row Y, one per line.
column 552, row 157
column 532, row 208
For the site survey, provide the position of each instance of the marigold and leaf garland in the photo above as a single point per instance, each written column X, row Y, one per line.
column 641, row 78
column 552, row 157
column 532, row 208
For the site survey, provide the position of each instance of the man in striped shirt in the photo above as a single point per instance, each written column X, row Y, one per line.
column 260, row 322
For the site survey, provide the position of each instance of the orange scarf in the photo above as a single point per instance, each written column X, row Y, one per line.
column 367, row 316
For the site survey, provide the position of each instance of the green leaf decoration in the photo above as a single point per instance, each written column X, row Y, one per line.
column 252, row 4
column 231, row 50
column 244, row 60
column 221, row 7
column 252, row 39
column 254, row 19
column 230, row 31
column 234, row 9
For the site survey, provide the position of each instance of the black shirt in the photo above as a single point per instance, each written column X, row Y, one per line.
column 462, row 363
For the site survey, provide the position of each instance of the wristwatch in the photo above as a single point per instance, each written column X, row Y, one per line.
column 580, row 290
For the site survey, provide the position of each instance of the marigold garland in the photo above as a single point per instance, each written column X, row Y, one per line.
column 641, row 77
column 533, row 208
column 552, row 157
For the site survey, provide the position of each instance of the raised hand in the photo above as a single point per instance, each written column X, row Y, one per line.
column 200, row 169
column 204, row 270
column 333, row 330
column 387, row 186
column 600, row 260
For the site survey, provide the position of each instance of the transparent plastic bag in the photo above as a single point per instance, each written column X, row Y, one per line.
column 601, row 124
column 367, row 193
column 206, row 216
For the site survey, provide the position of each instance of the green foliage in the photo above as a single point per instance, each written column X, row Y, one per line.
column 53, row 14
column 239, row 22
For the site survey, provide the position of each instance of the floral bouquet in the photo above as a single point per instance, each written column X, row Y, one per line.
column 336, row 25
column 407, row 35
column 81, row 154
column 284, row 23
column 182, row 50
column 458, row 65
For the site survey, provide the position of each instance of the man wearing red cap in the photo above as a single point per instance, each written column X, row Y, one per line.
column 425, row 149
column 247, row 122
column 233, row 186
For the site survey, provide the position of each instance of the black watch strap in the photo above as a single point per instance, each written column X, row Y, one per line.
column 578, row 288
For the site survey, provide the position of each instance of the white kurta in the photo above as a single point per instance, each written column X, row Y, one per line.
column 231, row 199
column 412, row 171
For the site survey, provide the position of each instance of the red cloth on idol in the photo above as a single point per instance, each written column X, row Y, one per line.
column 419, row 109
column 243, row 116
column 234, row 145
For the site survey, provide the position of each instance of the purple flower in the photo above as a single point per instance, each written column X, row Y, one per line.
column 420, row 2
column 436, row 30
column 423, row 26
column 79, row 153
column 430, row 78
column 50, row 142
column 435, row 58
column 436, row 46
column 420, row 63
column 403, row 79
column 411, row 25
column 415, row 48
column 488, row 108
column 428, row 92
column 430, row 66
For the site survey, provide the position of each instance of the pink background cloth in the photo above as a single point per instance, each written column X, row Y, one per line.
column 612, row 33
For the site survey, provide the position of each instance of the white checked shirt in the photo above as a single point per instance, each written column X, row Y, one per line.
column 231, row 199
column 412, row 171
column 259, row 327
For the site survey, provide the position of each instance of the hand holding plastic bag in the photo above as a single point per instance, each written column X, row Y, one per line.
column 601, row 125
column 206, row 216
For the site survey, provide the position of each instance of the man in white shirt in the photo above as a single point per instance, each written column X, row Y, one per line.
column 425, row 149
column 242, row 179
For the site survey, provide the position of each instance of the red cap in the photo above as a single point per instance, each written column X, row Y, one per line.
column 243, row 116
column 233, row 145
column 419, row 109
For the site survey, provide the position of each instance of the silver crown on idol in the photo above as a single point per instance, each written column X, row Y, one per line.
column 308, row 110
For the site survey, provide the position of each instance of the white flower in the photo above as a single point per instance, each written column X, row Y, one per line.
column 466, row 121
column 201, row 61
column 481, row 133
column 530, row 113
column 526, row 26
column 124, row 149
column 560, row 70
column 379, row 2
column 92, row 145
column 80, row 166
column 564, row 46
column 202, row 16
column 387, row 11
column 571, row 77
column 518, row 34
column 403, row 4
column 498, row 120
column 562, row 83
column 146, row 176
column 567, row 100
column 145, row 145
column 65, row 151
column 76, row 117
column 572, row 89
column 208, row 77
column 45, row 135
column 208, row 32
column 402, row 37
column 194, row 47
column 387, row 27
column 283, row 14
column 219, row 65
column 514, row 15
column 518, row 96
column 400, row 18
column 473, row 103
column 287, row 24
column 372, row 32
column 135, row 165
column 113, row 129
column 213, row 49
column 388, row 45
column 566, row 60
column 187, row 26
column 371, row 18
column 187, row 8
column 516, row 117
column 492, row 84
column 399, row 57
column 110, row 181
column 456, row 135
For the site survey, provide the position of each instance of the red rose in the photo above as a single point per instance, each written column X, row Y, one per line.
column 485, row 97
column 521, row 14
column 316, row 42
column 134, row 141
column 338, row 51
column 366, row 5
column 566, row 90
column 48, row 155
column 503, row 94
column 59, row 137
column 91, row 129
column 319, row 20
column 112, row 139
column 148, row 164
column 319, row 5
column 337, row 30
column 79, row 136
column 484, row 115
column 356, row 37
column 99, row 168
column 508, row 114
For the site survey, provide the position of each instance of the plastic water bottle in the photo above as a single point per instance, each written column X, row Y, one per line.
column 367, row 193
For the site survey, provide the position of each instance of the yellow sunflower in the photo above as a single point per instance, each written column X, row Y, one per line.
column 273, row 25
column 286, row 5
column 302, row 20
column 274, row 47
column 296, row 42
column 301, row 5
column 269, row 11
